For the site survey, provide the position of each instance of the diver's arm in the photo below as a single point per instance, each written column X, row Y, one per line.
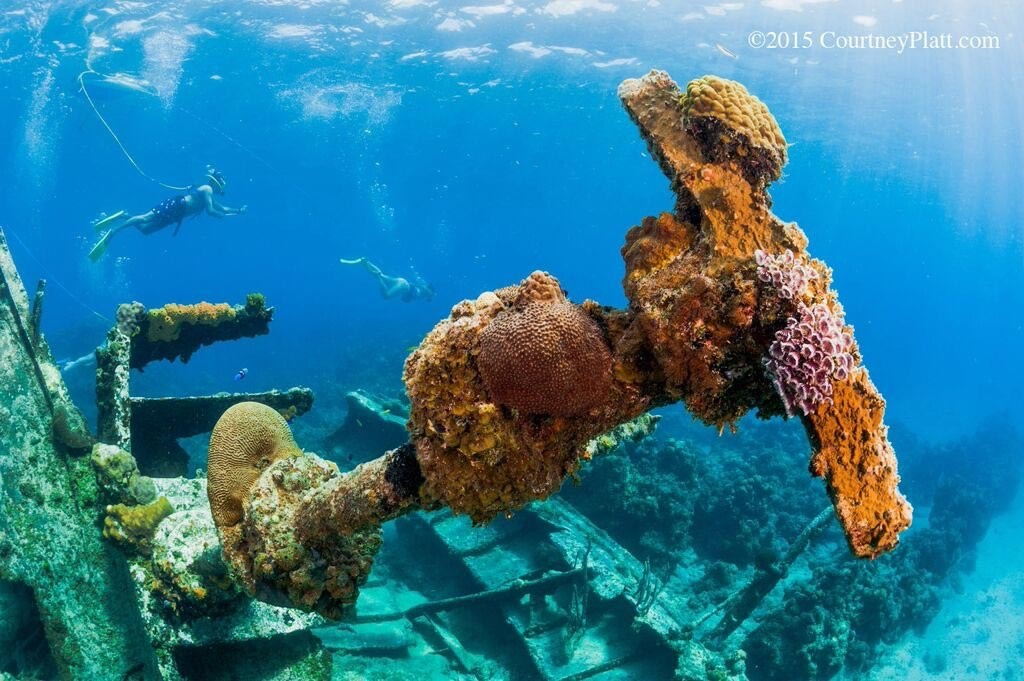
column 217, row 210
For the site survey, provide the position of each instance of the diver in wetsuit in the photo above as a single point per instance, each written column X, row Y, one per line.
column 171, row 211
column 395, row 287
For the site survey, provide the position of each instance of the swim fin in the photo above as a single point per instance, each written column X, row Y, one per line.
column 101, row 247
column 107, row 220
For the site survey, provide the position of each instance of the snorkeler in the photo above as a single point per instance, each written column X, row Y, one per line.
column 170, row 212
column 395, row 287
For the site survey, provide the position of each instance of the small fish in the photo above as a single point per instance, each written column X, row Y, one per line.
column 242, row 373
column 724, row 51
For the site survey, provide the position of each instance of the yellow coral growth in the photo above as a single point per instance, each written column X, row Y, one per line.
column 745, row 129
column 165, row 323
column 134, row 526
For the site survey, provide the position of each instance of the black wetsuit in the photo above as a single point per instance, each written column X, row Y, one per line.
column 168, row 212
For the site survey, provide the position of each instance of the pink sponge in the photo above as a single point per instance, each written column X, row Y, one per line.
column 807, row 355
column 814, row 349
column 784, row 272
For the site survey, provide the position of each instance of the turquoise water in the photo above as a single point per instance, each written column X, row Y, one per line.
column 468, row 145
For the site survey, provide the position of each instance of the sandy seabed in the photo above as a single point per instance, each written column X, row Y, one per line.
column 979, row 633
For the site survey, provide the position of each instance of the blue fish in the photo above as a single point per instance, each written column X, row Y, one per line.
column 242, row 373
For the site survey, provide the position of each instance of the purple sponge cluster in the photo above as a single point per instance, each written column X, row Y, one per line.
column 807, row 355
column 784, row 272
column 813, row 349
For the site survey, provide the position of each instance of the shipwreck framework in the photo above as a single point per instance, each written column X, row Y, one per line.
column 727, row 314
column 508, row 395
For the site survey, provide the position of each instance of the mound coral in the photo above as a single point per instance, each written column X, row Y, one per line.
column 505, row 395
column 308, row 535
column 246, row 440
column 118, row 477
column 545, row 356
column 165, row 323
column 731, row 123
column 70, row 430
column 130, row 317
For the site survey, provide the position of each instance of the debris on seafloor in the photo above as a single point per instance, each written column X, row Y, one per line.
column 372, row 425
column 509, row 395
column 165, row 608
column 151, row 427
column 508, row 391
column 158, row 423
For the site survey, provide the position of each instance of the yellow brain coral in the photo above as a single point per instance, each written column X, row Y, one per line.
column 731, row 122
column 165, row 323
column 248, row 437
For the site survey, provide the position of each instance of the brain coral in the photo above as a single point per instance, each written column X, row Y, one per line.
column 248, row 437
column 731, row 122
column 546, row 356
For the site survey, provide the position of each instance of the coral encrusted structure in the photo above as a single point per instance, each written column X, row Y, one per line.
column 727, row 313
column 176, row 331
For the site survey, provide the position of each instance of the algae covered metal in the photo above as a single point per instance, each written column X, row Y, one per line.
column 49, row 540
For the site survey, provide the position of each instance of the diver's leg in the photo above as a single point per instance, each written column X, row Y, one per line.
column 391, row 287
column 373, row 269
column 100, row 225
column 140, row 221
column 101, row 246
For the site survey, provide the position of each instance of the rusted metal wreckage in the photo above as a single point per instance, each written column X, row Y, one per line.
column 573, row 602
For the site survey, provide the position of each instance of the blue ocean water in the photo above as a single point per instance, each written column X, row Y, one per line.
column 472, row 144
column 474, row 156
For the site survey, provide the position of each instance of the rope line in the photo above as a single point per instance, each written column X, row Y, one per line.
column 56, row 281
column 124, row 150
